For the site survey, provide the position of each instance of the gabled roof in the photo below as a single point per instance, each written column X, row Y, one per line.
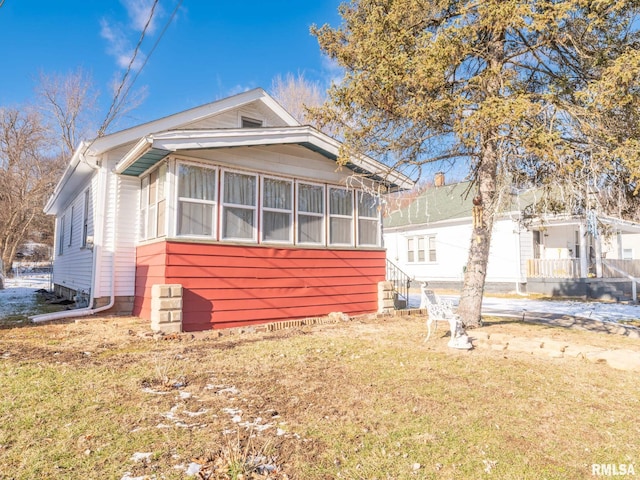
column 156, row 139
column 83, row 162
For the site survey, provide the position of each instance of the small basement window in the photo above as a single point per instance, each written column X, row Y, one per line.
column 251, row 123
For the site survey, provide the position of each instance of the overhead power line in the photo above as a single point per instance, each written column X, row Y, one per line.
column 124, row 87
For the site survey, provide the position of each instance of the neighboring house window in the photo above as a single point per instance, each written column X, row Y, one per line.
column 239, row 206
column 340, row 216
column 61, row 237
column 277, row 210
column 311, row 222
column 421, row 249
column 153, row 204
column 250, row 122
column 627, row 254
column 368, row 219
column 85, row 219
column 71, row 228
column 196, row 200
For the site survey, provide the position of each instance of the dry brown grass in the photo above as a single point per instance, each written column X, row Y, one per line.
column 363, row 399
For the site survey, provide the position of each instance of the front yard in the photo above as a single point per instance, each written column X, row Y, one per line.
column 103, row 398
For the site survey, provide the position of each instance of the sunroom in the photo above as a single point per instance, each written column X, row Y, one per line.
column 256, row 225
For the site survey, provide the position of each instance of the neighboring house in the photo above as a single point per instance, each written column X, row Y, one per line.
column 236, row 204
column 429, row 239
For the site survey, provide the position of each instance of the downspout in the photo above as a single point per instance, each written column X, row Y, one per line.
column 89, row 310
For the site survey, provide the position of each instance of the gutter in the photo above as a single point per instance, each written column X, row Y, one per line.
column 77, row 157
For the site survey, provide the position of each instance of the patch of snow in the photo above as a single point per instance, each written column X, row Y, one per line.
column 193, row 469
column 141, row 457
column 606, row 312
column 127, row 476
column 19, row 295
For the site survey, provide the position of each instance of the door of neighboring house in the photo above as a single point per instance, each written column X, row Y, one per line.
column 537, row 243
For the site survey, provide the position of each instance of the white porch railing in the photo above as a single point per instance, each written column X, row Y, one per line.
column 558, row 268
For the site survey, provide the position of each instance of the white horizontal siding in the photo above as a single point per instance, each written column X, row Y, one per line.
column 452, row 250
column 231, row 119
column 289, row 160
column 73, row 268
column 119, row 236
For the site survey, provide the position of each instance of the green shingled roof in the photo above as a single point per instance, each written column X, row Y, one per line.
column 447, row 202
column 433, row 205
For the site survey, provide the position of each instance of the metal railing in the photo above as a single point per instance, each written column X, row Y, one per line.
column 400, row 280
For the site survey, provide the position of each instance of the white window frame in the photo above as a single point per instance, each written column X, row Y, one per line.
column 144, row 207
column 149, row 208
column 421, row 251
column 359, row 216
column 85, row 219
column 257, row 123
column 61, row 225
column 350, row 217
column 224, row 205
column 323, row 215
column 213, row 203
column 71, row 226
column 264, row 209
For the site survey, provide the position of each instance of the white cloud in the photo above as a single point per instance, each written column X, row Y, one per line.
column 118, row 44
column 333, row 73
column 139, row 11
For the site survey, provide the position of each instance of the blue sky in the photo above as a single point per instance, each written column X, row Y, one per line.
column 210, row 50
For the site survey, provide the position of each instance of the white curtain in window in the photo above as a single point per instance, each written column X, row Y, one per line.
column 196, row 200
column 310, row 198
column 368, row 232
column 340, row 202
column 340, row 230
column 368, row 223
column 277, row 194
column 340, row 227
column 238, row 223
column 196, row 182
column 277, row 226
column 239, row 189
column 195, row 218
column 310, row 229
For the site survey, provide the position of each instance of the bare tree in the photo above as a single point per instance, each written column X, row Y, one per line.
column 68, row 102
column 296, row 95
column 27, row 177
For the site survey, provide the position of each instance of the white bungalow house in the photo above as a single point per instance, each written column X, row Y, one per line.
column 224, row 215
column 557, row 255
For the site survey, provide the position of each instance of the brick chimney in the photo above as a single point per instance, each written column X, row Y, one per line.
column 438, row 180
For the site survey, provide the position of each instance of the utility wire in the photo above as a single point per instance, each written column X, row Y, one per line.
column 135, row 77
column 117, row 99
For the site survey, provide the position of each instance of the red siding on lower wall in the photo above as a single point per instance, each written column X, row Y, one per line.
column 150, row 270
column 234, row 285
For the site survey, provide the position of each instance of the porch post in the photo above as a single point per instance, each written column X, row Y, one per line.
column 599, row 256
column 584, row 265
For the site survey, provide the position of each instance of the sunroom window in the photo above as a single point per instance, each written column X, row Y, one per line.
column 153, row 204
column 368, row 219
column 311, row 214
column 340, row 216
column 239, row 206
column 277, row 210
column 196, row 200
